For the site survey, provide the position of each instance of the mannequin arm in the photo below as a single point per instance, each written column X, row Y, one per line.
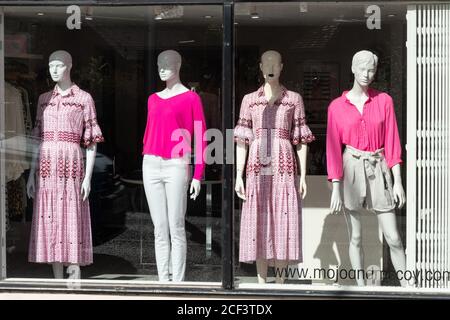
column 399, row 193
column 336, row 200
column 241, row 155
column 91, row 153
column 31, row 184
column 195, row 188
column 302, row 153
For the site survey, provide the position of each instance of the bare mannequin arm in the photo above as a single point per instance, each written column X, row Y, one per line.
column 241, row 155
column 91, row 153
column 336, row 200
column 302, row 153
column 399, row 193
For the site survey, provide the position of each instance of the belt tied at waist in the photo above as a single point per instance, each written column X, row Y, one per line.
column 369, row 158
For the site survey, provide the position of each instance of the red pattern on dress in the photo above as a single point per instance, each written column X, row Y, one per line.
column 270, row 226
column 61, row 226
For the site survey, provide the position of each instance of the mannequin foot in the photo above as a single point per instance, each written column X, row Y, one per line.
column 261, row 280
column 58, row 270
column 279, row 280
column 261, row 270
column 360, row 283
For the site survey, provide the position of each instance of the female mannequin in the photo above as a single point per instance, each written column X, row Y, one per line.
column 61, row 230
column 172, row 113
column 363, row 119
column 271, row 123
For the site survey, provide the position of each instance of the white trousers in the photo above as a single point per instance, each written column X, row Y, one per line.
column 166, row 184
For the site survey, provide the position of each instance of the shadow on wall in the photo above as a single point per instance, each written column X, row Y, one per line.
column 333, row 249
column 326, row 237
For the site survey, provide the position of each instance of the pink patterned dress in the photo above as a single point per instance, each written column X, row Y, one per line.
column 271, row 215
column 61, row 226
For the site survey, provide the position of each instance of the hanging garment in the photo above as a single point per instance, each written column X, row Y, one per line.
column 26, row 109
column 16, row 195
column 271, row 216
column 61, row 224
column 15, row 137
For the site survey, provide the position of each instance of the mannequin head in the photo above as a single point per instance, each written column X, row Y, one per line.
column 60, row 65
column 169, row 64
column 271, row 66
column 364, row 67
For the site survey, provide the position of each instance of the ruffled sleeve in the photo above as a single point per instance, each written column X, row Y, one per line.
column 243, row 131
column 300, row 132
column 92, row 132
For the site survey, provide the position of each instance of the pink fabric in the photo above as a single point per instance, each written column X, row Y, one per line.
column 165, row 117
column 271, row 216
column 376, row 128
column 61, row 225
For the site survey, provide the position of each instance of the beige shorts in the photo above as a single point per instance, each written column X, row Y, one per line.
column 367, row 181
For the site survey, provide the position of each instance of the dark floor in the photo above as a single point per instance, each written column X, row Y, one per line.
column 126, row 253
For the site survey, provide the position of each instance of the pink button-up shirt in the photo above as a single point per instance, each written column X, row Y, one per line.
column 374, row 129
column 171, row 125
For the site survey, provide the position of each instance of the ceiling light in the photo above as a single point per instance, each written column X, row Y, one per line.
column 254, row 16
column 40, row 13
column 168, row 12
column 208, row 17
column 303, row 6
column 89, row 13
column 186, row 41
column 392, row 15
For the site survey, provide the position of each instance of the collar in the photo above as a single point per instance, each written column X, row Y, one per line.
column 74, row 89
column 260, row 94
column 370, row 92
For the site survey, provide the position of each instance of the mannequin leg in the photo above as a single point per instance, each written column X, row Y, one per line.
column 156, row 198
column 58, row 270
column 281, row 266
column 176, row 184
column 355, row 249
column 261, row 269
column 388, row 224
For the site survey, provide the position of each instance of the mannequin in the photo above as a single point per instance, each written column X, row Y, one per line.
column 61, row 233
column 165, row 167
column 361, row 176
column 272, row 128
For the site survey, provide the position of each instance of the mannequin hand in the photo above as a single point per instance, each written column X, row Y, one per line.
column 336, row 200
column 85, row 188
column 31, row 186
column 195, row 189
column 399, row 195
column 302, row 187
column 239, row 188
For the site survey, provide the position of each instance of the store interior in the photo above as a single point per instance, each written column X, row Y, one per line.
column 114, row 56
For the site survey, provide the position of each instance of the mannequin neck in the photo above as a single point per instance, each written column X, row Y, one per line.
column 359, row 90
column 64, row 85
column 173, row 88
column 174, row 83
column 272, row 90
column 358, row 96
